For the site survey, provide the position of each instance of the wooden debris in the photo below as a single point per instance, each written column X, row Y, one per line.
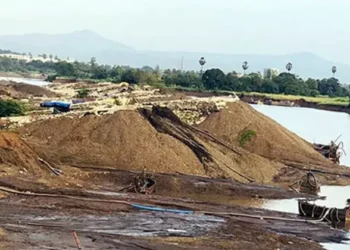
column 307, row 184
column 331, row 151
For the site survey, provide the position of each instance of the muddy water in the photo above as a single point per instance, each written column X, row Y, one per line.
column 335, row 197
column 36, row 82
column 313, row 125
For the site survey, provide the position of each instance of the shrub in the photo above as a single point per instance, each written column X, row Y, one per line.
column 83, row 93
column 10, row 108
column 51, row 78
column 246, row 136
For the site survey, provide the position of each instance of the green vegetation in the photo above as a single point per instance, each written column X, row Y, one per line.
column 246, row 136
column 286, row 85
column 83, row 93
column 326, row 100
column 10, row 108
column 6, row 51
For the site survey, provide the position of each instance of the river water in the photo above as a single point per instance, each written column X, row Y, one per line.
column 36, row 82
column 315, row 126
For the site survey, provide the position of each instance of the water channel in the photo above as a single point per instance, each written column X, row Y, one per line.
column 315, row 126
column 37, row 82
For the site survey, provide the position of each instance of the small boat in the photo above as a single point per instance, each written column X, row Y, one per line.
column 313, row 211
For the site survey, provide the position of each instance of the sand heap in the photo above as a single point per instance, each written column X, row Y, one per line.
column 23, row 90
column 16, row 155
column 271, row 140
column 138, row 139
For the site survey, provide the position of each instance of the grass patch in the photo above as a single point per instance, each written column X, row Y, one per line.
column 246, row 136
column 326, row 100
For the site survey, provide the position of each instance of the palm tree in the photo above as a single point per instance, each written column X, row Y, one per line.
column 334, row 70
column 289, row 66
column 202, row 62
column 245, row 66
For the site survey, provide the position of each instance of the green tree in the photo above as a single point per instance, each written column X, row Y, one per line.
column 45, row 56
column 93, row 62
column 10, row 108
column 311, row 83
column 213, row 79
column 99, row 72
column 330, row 86
column 269, row 86
column 130, row 76
column 51, row 57
column 65, row 69
column 232, row 82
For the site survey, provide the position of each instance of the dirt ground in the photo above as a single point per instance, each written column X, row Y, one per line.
column 32, row 221
column 106, row 141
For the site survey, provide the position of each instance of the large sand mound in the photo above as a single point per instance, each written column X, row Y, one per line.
column 16, row 155
column 134, row 140
column 272, row 140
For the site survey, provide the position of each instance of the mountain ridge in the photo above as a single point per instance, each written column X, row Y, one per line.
column 84, row 44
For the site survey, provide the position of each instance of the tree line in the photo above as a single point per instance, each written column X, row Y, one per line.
column 211, row 79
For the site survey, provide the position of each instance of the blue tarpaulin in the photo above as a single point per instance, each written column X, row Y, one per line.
column 61, row 106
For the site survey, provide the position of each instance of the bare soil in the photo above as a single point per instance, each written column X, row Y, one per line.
column 271, row 141
column 23, row 90
column 35, row 222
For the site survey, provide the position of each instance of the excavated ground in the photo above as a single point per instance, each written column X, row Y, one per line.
column 202, row 168
column 42, row 217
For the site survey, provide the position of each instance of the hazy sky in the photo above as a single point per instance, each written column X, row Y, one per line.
column 229, row 26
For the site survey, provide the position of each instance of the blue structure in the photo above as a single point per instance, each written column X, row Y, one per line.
column 60, row 106
column 158, row 209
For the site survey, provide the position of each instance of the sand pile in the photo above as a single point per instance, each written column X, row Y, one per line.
column 23, row 90
column 271, row 140
column 138, row 139
column 16, row 155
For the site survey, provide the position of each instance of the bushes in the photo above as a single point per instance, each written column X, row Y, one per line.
column 83, row 93
column 10, row 108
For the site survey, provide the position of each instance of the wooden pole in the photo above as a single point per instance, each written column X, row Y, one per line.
column 77, row 241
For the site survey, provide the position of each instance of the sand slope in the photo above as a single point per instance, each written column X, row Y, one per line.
column 272, row 140
column 134, row 140
column 16, row 155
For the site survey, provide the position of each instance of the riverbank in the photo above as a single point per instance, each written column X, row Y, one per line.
column 336, row 104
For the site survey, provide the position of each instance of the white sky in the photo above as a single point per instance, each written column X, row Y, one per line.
column 228, row 26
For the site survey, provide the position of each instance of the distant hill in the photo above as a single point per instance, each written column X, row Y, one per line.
column 82, row 45
column 76, row 44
